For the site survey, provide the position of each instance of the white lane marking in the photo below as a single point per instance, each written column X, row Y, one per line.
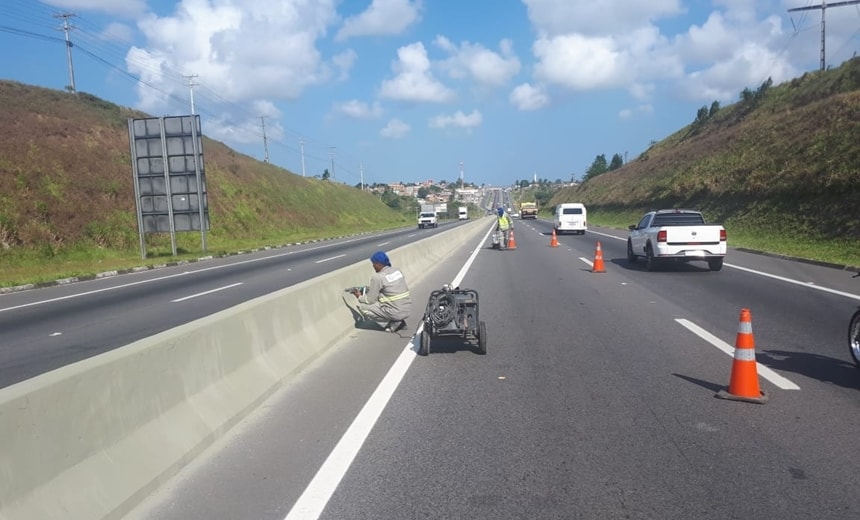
column 778, row 380
column 810, row 285
column 383, row 244
column 329, row 259
column 169, row 276
column 795, row 282
column 205, row 293
column 315, row 497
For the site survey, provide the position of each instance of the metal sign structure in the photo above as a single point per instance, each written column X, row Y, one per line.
column 169, row 178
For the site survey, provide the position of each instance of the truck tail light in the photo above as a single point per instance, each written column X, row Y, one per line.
column 722, row 235
column 661, row 236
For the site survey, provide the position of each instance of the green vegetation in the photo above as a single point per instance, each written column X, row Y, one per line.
column 67, row 204
column 779, row 169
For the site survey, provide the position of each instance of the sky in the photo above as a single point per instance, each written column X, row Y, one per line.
column 385, row 91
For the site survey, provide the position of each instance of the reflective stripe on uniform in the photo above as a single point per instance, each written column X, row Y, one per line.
column 394, row 298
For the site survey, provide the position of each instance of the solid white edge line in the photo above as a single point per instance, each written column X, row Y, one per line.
column 315, row 497
column 765, row 372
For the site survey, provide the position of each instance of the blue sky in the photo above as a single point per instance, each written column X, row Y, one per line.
column 413, row 90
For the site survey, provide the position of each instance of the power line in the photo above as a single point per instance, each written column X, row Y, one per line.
column 824, row 5
column 66, row 28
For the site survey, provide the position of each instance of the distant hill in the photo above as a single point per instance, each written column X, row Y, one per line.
column 66, row 183
column 783, row 159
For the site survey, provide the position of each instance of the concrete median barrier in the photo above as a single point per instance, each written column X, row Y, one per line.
column 92, row 439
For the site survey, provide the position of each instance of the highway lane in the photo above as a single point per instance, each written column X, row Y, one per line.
column 595, row 400
column 44, row 329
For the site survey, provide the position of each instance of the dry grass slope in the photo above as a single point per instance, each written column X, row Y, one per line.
column 66, row 189
column 785, row 163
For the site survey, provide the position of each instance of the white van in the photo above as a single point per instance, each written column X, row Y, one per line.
column 463, row 213
column 570, row 217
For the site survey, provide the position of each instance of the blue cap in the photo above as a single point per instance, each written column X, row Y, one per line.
column 380, row 258
column 501, row 211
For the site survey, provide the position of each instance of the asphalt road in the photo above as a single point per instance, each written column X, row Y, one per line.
column 44, row 329
column 595, row 400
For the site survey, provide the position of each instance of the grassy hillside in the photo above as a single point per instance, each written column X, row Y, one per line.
column 67, row 204
column 779, row 169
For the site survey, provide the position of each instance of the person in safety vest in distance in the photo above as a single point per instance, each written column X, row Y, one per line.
column 504, row 225
column 387, row 299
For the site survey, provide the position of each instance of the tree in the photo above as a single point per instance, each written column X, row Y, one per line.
column 616, row 162
column 597, row 167
column 325, row 175
column 701, row 116
column 423, row 191
column 715, row 107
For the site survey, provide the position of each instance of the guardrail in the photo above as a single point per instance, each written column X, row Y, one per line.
column 92, row 439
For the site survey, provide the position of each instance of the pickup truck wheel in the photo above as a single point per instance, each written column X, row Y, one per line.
column 631, row 256
column 715, row 264
column 650, row 261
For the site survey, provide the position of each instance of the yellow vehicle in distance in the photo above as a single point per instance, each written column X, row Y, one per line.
column 528, row 210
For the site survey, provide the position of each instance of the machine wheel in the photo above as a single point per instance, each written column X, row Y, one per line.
column 650, row 261
column 482, row 336
column 715, row 264
column 854, row 338
column 424, row 346
column 631, row 256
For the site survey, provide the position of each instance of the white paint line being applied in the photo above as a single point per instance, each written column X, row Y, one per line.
column 765, row 372
column 313, row 500
column 205, row 293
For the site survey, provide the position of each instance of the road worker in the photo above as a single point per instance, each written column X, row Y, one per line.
column 387, row 300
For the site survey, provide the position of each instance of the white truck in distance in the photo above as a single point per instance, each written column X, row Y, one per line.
column 679, row 235
column 463, row 213
column 427, row 219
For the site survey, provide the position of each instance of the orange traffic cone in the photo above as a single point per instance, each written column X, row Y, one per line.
column 743, row 385
column 554, row 240
column 597, row 266
column 512, row 244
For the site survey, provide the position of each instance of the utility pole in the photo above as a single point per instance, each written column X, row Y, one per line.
column 824, row 5
column 265, row 140
column 66, row 28
column 331, row 152
column 191, row 84
column 302, row 145
column 361, row 170
column 462, row 182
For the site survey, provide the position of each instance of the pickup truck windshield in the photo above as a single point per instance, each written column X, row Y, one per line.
column 677, row 219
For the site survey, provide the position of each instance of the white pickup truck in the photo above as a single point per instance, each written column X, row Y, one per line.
column 679, row 235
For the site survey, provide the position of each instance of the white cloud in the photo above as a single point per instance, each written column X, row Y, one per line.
column 481, row 64
column 359, row 110
column 528, row 97
column 581, row 63
column 414, row 81
column 383, row 17
column 628, row 113
column 395, row 129
column 118, row 32
column 343, row 62
column 262, row 48
column 596, row 17
column 458, row 119
column 750, row 66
